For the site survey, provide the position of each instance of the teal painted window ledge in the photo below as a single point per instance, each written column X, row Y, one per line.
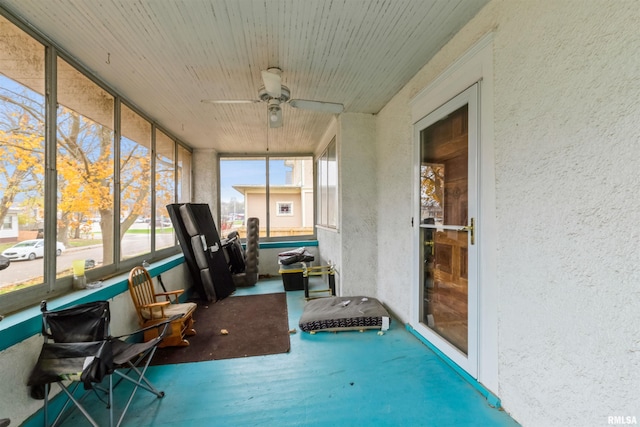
column 24, row 324
column 287, row 244
column 492, row 399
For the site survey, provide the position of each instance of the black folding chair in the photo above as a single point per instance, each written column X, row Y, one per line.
column 79, row 350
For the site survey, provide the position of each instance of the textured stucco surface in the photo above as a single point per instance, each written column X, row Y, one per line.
column 358, row 204
column 566, row 90
column 394, row 155
column 353, row 246
column 16, row 363
column 205, row 178
column 330, row 252
column 567, row 146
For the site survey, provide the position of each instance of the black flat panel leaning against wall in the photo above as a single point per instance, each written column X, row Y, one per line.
column 200, row 243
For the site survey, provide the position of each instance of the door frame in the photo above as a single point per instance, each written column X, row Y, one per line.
column 473, row 66
column 468, row 362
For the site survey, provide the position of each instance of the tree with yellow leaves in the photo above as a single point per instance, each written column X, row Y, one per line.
column 85, row 167
column 21, row 148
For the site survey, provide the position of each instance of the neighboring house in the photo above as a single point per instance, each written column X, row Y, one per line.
column 9, row 227
column 291, row 207
column 290, row 204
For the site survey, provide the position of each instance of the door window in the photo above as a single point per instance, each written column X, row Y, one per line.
column 443, row 202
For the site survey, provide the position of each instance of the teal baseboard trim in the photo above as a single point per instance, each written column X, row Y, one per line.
column 24, row 324
column 492, row 399
column 288, row 244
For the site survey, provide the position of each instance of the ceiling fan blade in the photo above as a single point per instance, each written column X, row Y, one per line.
column 325, row 107
column 230, row 101
column 272, row 82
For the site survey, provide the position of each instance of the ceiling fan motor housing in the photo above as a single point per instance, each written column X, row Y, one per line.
column 265, row 97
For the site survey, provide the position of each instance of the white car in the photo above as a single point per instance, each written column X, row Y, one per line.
column 30, row 249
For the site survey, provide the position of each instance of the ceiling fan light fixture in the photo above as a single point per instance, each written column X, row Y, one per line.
column 274, row 113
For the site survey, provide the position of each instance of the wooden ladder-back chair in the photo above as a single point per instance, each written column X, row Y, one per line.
column 153, row 308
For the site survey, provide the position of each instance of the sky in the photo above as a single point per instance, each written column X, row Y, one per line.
column 248, row 172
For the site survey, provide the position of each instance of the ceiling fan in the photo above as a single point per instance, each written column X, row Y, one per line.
column 275, row 94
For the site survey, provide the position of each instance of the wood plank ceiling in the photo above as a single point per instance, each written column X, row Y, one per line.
column 165, row 56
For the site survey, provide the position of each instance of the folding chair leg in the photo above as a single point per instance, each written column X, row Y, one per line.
column 46, row 405
column 76, row 403
column 64, row 408
column 111, row 402
column 140, row 382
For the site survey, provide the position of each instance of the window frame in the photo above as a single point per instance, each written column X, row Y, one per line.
column 52, row 286
column 323, row 194
column 267, row 156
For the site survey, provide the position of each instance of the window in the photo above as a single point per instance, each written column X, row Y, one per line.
column 165, row 189
column 291, row 187
column 285, row 208
column 328, row 187
column 22, row 147
column 135, row 184
column 277, row 190
column 104, row 200
column 7, row 223
column 184, row 175
column 242, row 181
column 84, row 165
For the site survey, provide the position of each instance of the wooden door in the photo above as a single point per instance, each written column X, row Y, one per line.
column 444, row 213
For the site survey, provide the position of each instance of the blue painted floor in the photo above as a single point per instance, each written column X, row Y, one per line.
column 327, row 379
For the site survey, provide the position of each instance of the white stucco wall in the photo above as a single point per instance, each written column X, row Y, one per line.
column 394, row 155
column 357, row 201
column 16, row 363
column 354, row 242
column 567, row 138
column 566, row 149
column 329, row 247
column 205, row 179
